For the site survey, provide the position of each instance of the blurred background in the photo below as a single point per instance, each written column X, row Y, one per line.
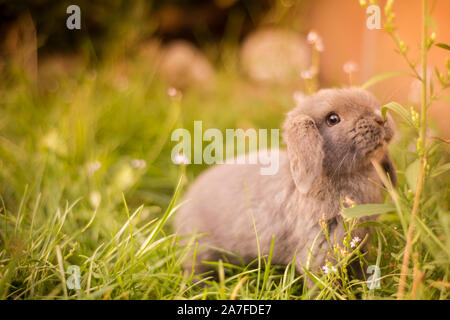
column 189, row 42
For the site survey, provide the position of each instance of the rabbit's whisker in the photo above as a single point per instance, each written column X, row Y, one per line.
column 340, row 164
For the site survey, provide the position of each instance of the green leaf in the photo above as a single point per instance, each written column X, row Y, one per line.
column 369, row 224
column 431, row 86
column 167, row 214
column 381, row 77
column 429, row 21
column 399, row 109
column 441, row 169
column 433, row 236
column 444, row 98
column 443, row 46
column 365, row 210
column 412, row 174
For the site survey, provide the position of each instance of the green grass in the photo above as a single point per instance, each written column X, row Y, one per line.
column 115, row 222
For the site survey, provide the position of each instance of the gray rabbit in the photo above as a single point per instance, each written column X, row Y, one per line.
column 331, row 138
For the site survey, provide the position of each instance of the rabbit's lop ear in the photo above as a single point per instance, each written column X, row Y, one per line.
column 305, row 150
column 389, row 167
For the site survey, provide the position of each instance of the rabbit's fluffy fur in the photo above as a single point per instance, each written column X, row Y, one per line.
column 323, row 164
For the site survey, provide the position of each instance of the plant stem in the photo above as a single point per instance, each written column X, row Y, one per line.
column 406, row 256
column 423, row 124
column 422, row 146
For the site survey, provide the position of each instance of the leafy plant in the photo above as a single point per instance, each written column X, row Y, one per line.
column 421, row 169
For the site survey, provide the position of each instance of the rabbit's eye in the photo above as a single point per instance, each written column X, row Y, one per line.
column 333, row 119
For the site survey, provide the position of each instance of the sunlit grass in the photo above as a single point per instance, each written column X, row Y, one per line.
column 72, row 194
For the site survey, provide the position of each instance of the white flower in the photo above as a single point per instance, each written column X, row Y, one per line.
column 326, row 269
column 174, row 93
column 309, row 73
column 180, row 159
column 319, row 45
column 354, row 242
column 92, row 167
column 312, row 37
column 138, row 163
column 350, row 67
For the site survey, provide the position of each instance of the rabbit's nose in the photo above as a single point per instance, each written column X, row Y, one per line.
column 379, row 118
column 380, row 121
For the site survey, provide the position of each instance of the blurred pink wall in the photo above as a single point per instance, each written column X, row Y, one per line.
column 342, row 25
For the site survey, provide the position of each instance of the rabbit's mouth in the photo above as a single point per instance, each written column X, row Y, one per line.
column 375, row 152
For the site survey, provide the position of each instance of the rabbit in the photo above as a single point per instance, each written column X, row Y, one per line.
column 331, row 138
